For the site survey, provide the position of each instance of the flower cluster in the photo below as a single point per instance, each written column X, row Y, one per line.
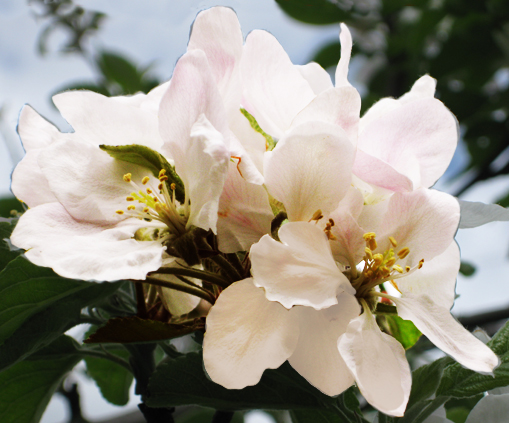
column 303, row 223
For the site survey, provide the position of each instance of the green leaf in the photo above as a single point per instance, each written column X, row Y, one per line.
column 316, row 416
column 459, row 382
column 183, row 381
column 8, row 204
column 38, row 306
column 118, row 70
column 27, row 387
column 458, row 409
column 150, row 159
column 347, row 406
column 269, row 141
column 315, row 12
column 112, row 379
column 133, row 329
column 467, row 269
column 6, row 254
column 328, row 55
column 404, row 331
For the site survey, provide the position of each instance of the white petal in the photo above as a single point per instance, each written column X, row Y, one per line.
column 424, row 129
column 299, row 270
column 437, row 278
column 317, row 77
column 108, row 120
column 424, row 87
column 87, row 181
column 204, row 169
column 216, row 32
column 490, row 409
column 378, row 363
column 474, row 214
column 310, row 169
column 316, row 355
column 82, row 250
column 345, row 38
column 242, row 341
column 275, row 91
column 339, row 106
column 440, row 327
column 244, row 214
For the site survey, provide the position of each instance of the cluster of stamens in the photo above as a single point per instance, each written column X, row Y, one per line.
column 381, row 267
column 154, row 202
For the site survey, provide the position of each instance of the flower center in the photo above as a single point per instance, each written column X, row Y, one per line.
column 155, row 203
column 381, row 267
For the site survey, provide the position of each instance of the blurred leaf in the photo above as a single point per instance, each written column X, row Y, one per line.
column 467, row 269
column 113, row 380
column 316, row 416
column 457, row 410
column 8, row 204
column 201, row 415
column 328, row 55
column 504, row 201
column 314, row 11
column 404, row 331
column 183, row 381
column 6, row 254
column 38, row 306
column 134, row 329
column 26, row 388
column 150, row 159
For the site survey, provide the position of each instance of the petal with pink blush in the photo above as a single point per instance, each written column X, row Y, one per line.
column 317, row 77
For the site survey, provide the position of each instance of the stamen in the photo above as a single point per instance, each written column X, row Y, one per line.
column 317, row 215
column 407, row 268
column 127, row 177
column 378, row 259
column 403, row 252
column 145, row 180
column 398, row 268
column 162, row 172
column 131, row 207
column 393, row 242
column 369, row 253
column 149, row 191
column 421, row 262
column 369, row 237
column 391, row 262
column 120, row 212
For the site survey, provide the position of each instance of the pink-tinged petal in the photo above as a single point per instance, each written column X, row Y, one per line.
column 474, row 214
column 204, row 169
column 87, row 181
column 423, row 130
column 246, row 165
column 425, row 221
column 241, row 342
column 192, row 93
column 274, row 89
column 316, row 355
column 217, row 32
column 376, row 111
column 318, row 78
column 440, row 327
column 424, row 87
column 310, row 169
column 437, row 278
column 299, row 270
column 97, row 119
column 82, row 250
column 244, row 214
column 378, row 364
column 176, row 302
column 339, row 106
column 345, row 38
column 375, row 171
column 348, row 244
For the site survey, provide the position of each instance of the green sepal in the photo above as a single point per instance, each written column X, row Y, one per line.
column 385, row 309
column 150, row 159
column 404, row 331
column 133, row 329
column 270, row 143
column 186, row 246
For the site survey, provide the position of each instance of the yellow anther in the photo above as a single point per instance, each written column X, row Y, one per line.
column 317, row 215
column 127, row 177
column 173, row 186
column 149, row 191
column 421, row 262
column 403, row 252
column 398, row 268
column 378, row 259
column 129, row 198
column 391, row 262
column 369, row 235
column 131, row 207
column 385, row 271
column 156, row 199
column 393, row 242
column 369, row 253
column 120, row 212
column 163, row 178
column 146, row 210
column 331, row 222
column 407, row 268
column 158, row 207
column 162, row 172
column 160, row 187
column 145, row 180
